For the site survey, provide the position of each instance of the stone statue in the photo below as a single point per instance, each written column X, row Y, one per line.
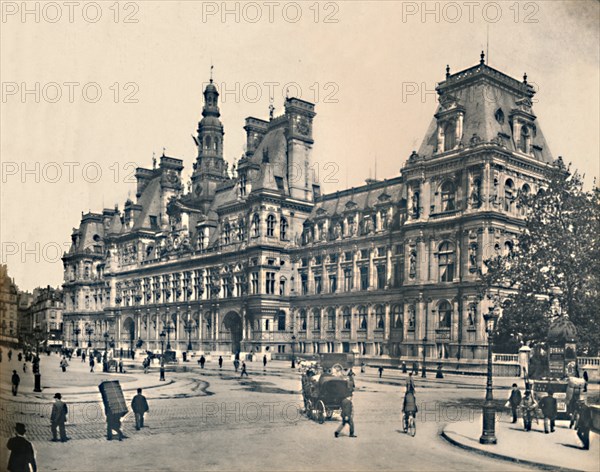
column 413, row 264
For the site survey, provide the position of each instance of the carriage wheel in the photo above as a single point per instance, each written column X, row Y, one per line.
column 321, row 411
column 309, row 409
column 329, row 414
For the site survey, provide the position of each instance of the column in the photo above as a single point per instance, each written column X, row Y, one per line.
column 386, row 333
column 372, row 271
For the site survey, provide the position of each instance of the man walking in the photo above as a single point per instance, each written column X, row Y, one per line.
column 9, row 355
column 64, row 364
column 548, row 406
column 202, row 361
column 265, row 362
column 92, row 363
column 236, row 365
column 515, row 401
column 220, row 362
column 58, row 418
column 16, row 380
column 380, row 371
column 22, row 455
column 584, row 425
column 139, row 405
column 243, row 370
column 410, row 383
column 113, row 423
column 347, row 417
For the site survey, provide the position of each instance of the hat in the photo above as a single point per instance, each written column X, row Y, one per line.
column 20, row 428
column 57, row 395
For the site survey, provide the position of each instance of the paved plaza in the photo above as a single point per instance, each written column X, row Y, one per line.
column 211, row 419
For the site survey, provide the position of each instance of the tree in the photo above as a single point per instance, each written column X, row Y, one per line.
column 558, row 248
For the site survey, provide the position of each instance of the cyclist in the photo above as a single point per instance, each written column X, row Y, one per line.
column 409, row 407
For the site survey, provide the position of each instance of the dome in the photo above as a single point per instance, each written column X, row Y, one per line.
column 562, row 330
column 211, row 88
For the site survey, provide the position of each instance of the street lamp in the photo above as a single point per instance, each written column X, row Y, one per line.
column 37, row 375
column 89, row 331
column 105, row 358
column 168, row 328
column 293, row 356
column 488, row 436
column 162, row 356
column 423, row 369
column 189, row 327
column 76, row 331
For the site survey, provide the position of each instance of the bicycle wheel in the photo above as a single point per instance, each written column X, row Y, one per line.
column 404, row 425
column 412, row 427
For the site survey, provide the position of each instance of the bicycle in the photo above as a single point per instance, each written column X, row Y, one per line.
column 410, row 426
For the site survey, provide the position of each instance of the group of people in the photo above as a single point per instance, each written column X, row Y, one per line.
column 580, row 415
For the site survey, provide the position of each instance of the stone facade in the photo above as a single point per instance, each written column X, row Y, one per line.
column 257, row 259
column 8, row 307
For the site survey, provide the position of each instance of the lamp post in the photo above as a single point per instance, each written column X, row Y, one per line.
column 89, row 331
column 423, row 369
column 162, row 356
column 488, row 435
column 189, row 327
column 168, row 328
column 37, row 375
column 293, row 355
column 105, row 357
column 76, row 331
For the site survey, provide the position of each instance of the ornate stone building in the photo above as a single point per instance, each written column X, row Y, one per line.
column 9, row 294
column 257, row 259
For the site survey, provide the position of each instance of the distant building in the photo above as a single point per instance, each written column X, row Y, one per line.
column 25, row 320
column 259, row 259
column 8, row 307
column 47, row 314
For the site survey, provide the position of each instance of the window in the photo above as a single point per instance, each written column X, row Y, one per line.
column 448, row 196
column 201, row 240
column 524, row 140
column 346, row 318
column 411, row 317
column 282, row 286
column 270, row 225
column 364, row 253
column 450, row 135
column 381, row 276
column 279, row 182
column 379, row 317
column 303, row 320
column 254, row 282
column 446, row 262
column 333, row 258
column 318, row 285
column 153, row 222
column 304, row 281
column 348, row 279
column 283, row 227
column 243, row 184
column 241, row 230
column 256, row 225
column 397, row 317
column 348, row 256
column 281, row 321
column 445, row 313
column 316, row 320
column 509, row 194
column 270, row 283
column 332, row 283
column 364, row 278
column 331, row 319
column 227, row 234
column 362, row 318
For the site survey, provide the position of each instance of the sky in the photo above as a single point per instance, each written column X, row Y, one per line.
column 93, row 90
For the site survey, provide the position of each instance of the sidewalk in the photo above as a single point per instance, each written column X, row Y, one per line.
column 554, row 451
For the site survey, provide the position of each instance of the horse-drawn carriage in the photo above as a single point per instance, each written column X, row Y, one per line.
column 325, row 384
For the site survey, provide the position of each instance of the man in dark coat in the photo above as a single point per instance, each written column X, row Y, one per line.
column 515, row 401
column 139, row 405
column 92, row 363
column 584, row 425
column 220, row 362
column 347, row 417
column 16, row 380
column 22, row 455
column 548, row 406
column 243, row 370
column 264, row 362
column 113, row 423
column 202, row 361
column 58, row 418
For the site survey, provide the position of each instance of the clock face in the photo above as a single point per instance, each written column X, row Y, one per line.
column 172, row 178
column 303, row 126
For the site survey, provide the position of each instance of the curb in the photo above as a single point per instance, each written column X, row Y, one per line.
column 538, row 465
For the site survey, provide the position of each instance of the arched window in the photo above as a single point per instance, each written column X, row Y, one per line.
column 331, row 319
column 362, row 318
column 379, row 317
column 508, row 248
column 524, row 141
column 525, row 191
column 449, row 135
column 283, row 227
column 509, row 194
column 227, row 234
column 207, row 143
column 316, row 319
column 346, row 318
column 281, row 321
column 445, row 314
column 270, row 225
column 412, row 317
column 256, row 225
column 303, row 320
column 448, row 196
column 241, row 229
column 397, row 317
column 446, row 261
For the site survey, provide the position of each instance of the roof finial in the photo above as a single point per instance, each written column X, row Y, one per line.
column 271, row 108
column 164, row 150
column 482, row 60
column 153, row 160
column 525, row 78
column 447, row 70
column 211, row 73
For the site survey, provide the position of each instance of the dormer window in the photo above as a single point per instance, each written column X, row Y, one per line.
column 270, row 225
column 509, row 194
column 449, row 135
column 525, row 139
column 448, row 196
column 283, row 226
column 243, row 183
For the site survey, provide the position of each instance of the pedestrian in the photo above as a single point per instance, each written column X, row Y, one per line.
column 573, row 408
column 145, row 365
column 347, row 417
column 243, row 370
column 584, row 425
column 121, row 366
column 410, row 383
column 22, row 454
column 403, row 367
column 586, row 378
column 549, row 409
column 16, row 380
column 9, row 355
column 0, row 354
column 202, row 361
column 113, row 423
column 82, row 356
column 220, row 362
column 362, row 367
column 92, row 363
column 515, row 400
column 139, row 405
column 132, row 355
column 351, row 384
column 20, row 357
column 415, row 368
column 409, row 407
column 58, row 418
column 64, row 364
column 25, row 367
column 528, row 406
column 236, row 364
column 380, row 371
column 264, row 362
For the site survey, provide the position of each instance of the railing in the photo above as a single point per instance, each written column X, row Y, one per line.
column 510, row 358
column 588, row 361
